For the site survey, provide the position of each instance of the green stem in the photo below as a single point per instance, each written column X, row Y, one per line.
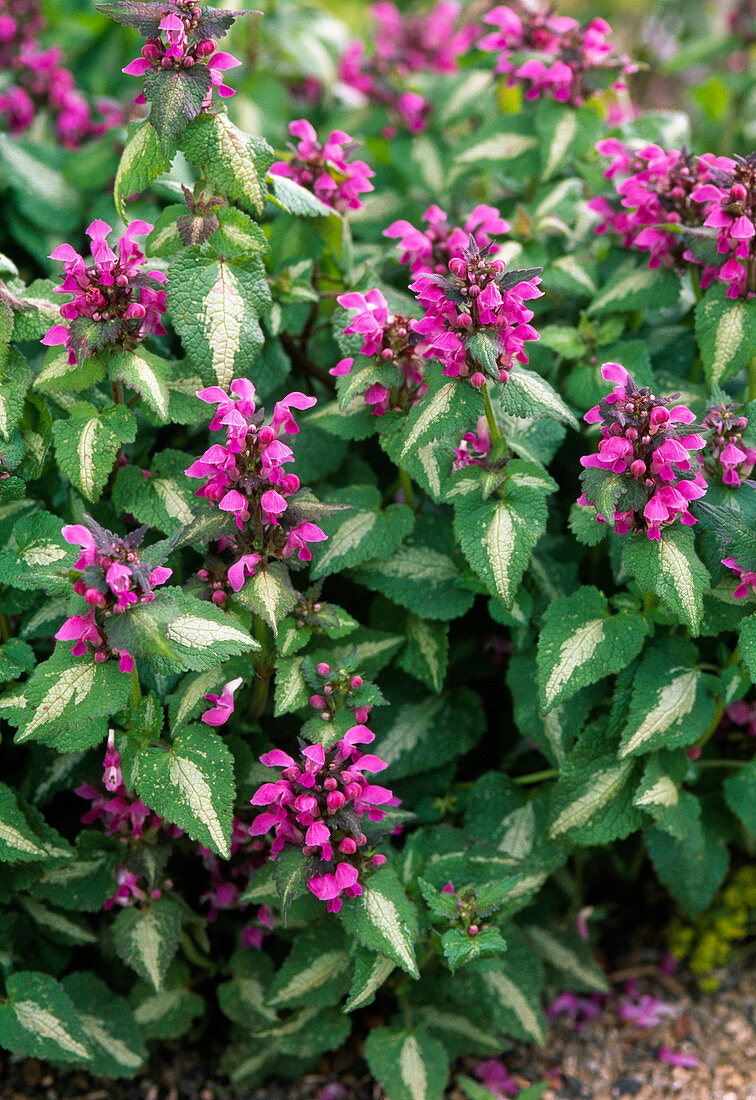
column 136, row 691
column 193, row 954
column 493, row 427
column 722, row 763
column 405, row 481
column 720, row 708
column 4, row 627
column 264, row 671
column 752, row 379
column 117, row 388
column 535, row 777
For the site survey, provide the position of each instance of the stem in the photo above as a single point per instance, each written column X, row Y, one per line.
column 299, row 357
column 752, row 379
column 263, row 670
column 714, row 724
column 117, row 387
column 193, row 954
column 4, row 627
column 721, row 763
column 535, row 777
column 405, row 481
column 136, row 692
column 493, row 427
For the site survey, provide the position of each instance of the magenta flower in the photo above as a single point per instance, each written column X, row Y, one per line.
column 114, row 580
column 726, row 454
column 113, row 292
column 316, row 805
column 431, row 249
column 730, row 198
column 246, row 478
column 677, row 1058
column 568, row 61
column 326, row 170
column 112, row 776
column 403, row 44
column 220, row 713
column 494, row 1076
column 476, row 297
column 643, row 1010
column 649, row 444
column 179, row 48
column 473, row 447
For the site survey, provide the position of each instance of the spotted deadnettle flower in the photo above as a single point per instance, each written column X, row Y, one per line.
column 388, row 337
column 477, row 296
column 125, row 303
column 650, row 444
column 404, row 44
column 245, row 476
column 220, row 713
column 746, row 578
column 730, row 196
column 474, row 447
column 113, row 579
column 567, row 61
column 431, row 249
column 656, row 187
column 317, row 804
column 726, row 454
column 325, row 169
column 178, row 48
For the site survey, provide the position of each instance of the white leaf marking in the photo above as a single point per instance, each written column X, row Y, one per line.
column 676, row 699
column 33, row 1017
column 196, row 793
column 412, row 1068
column 574, row 652
column 606, row 784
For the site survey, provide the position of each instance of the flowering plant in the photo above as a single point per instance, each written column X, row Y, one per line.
column 334, row 709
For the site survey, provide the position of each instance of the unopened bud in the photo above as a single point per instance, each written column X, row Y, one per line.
column 355, row 682
column 478, row 380
column 317, row 701
column 219, row 598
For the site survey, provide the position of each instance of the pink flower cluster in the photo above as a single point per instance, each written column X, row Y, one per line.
column 404, row 44
column 178, row 50
column 112, row 291
column 325, row 169
column 476, row 297
column 113, row 580
column 649, row 443
column 318, row 800
column 473, row 447
column 38, row 82
column 245, row 477
column 552, row 54
column 390, row 338
column 746, row 578
column 229, row 879
column 656, row 188
column 730, row 195
column 726, row 454
column 431, row 249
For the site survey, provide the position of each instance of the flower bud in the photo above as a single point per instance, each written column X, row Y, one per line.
column 477, row 380
column 317, row 701
column 219, row 598
column 355, row 682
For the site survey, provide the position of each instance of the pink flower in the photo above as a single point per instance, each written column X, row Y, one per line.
column 245, row 566
column 649, row 444
column 676, row 1058
column 113, row 292
column 326, row 170
column 432, row 248
column 112, row 776
column 220, row 713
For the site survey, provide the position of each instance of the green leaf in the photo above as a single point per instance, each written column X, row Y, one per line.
column 581, row 642
column 295, row 199
column 237, row 236
column 169, row 1013
column 418, row 737
column 497, row 536
column 16, row 657
column 740, row 795
column 290, row 873
column 191, row 784
column 83, row 883
column 19, row 842
column 88, row 443
column 36, row 553
column 243, row 999
column 180, row 630
column 408, row 1065
column 145, row 373
column 176, row 96
column 142, row 161
column 146, row 938
column 58, row 375
column 384, row 919
column 426, row 654
column 526, row 394
column 692, row 868
column 39, row 1020
column 672, row 702
column 460, row 947
column 315, row 972
column 12, row 397
column 68, row 700
column 165, row 500
column 216, row 307
column 507, row 990
column 447, row 410
column 631, row 288
column 362, row 533
column 571, row 956
column 670, row 568
column 269, row 594
column 593, row 799
column 370, row 972
column 726, row 334
column 117, row 1047
column 420, row 577
column 234, row 162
